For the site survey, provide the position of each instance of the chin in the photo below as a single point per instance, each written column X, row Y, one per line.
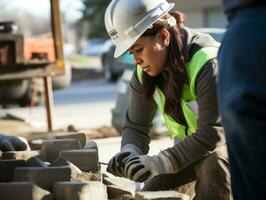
column 152, row 74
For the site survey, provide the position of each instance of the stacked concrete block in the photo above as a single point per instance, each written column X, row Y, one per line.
column 161, row 195
column 81, row 137
column 36, row 143
column 51, row 148
column 116, row 192
column 91, row 145
column 23, row 191
column 75, row 171
column 7, row 168
column 36, row 161
column 33, row 175
column 85, row 159
column 44, row 177
column 122, row 183
column 80, row 190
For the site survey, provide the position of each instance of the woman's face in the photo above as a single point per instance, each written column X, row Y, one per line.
column 150, row 53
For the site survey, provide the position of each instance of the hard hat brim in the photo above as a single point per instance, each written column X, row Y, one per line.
column 126, row 44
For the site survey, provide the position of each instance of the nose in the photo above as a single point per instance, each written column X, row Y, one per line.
column 137, row 61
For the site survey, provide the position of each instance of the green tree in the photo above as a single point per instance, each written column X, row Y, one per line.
column 93, row 11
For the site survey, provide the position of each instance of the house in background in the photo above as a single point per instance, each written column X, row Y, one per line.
column 202, row 13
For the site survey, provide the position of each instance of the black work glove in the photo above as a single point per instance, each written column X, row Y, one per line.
column 117, row 163
column 13, row 143
column 143, row 167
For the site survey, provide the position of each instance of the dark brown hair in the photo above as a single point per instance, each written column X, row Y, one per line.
column 173, row 77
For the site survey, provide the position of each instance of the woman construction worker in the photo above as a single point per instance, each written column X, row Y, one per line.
column 176, row 72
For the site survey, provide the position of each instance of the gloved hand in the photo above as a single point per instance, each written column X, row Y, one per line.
column 141, row 168
column 117, row 164
column 13, row 143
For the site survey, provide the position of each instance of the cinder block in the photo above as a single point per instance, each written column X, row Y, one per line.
column 115, row 192
column 60, row 162
column 36, row 162
column 36, row 143
column 19, row 155
column 91, row 145
column 162, row 195
column 81, row 137
column 44, row 177
column 23, row 191
column 7, row 168
column 75, row 171
column 84, row 159
column 122, row 183
column 51, row 148
column 80, row 190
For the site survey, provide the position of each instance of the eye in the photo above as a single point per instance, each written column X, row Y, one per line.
column 138, row 50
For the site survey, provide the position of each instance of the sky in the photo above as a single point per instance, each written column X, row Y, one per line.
column 42, row 7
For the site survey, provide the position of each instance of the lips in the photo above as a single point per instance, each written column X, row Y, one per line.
column 145, row 69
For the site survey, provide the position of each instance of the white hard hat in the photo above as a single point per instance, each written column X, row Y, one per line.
column 127, row 20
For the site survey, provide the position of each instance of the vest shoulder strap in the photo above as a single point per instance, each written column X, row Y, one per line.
column 139, row 73
column 199, row 59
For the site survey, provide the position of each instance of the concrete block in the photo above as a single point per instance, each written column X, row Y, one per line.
column 162, row 195
column 19, row 155
column 36, row 162
column 60, row 162
column 122, row 183
column 115, row 192
column 91, row 145
column 51, row 148
column 81, row 137
column 23, row 191
column 75, row 171
column 84, row 159
column 80, row 190
column 7, row 168
column 44, row 177
column 36, row 143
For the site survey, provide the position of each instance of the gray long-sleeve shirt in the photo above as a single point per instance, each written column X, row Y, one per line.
column 209, row 134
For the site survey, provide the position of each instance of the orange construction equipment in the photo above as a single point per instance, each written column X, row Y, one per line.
column 40, row 48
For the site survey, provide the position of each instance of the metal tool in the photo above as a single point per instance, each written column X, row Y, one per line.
column 103, row 163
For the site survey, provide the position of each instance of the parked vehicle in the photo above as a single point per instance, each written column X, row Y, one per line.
column 94, row 47
column 112, row 67
column 118, row 112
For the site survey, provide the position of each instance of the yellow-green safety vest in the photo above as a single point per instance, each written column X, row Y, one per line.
column 192, row 67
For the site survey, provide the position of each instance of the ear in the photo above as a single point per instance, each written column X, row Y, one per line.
column 165, row 37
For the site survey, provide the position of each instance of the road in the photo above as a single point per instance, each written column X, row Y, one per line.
column 85, row 104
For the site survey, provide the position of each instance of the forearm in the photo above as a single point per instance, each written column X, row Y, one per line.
column 138, row 118
column 137, row 136
column 194, row 148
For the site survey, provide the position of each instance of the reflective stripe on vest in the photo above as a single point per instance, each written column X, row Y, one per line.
column 189, row 96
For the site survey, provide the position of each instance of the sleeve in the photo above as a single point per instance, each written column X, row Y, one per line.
column 139, row 116
column 209, row 134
